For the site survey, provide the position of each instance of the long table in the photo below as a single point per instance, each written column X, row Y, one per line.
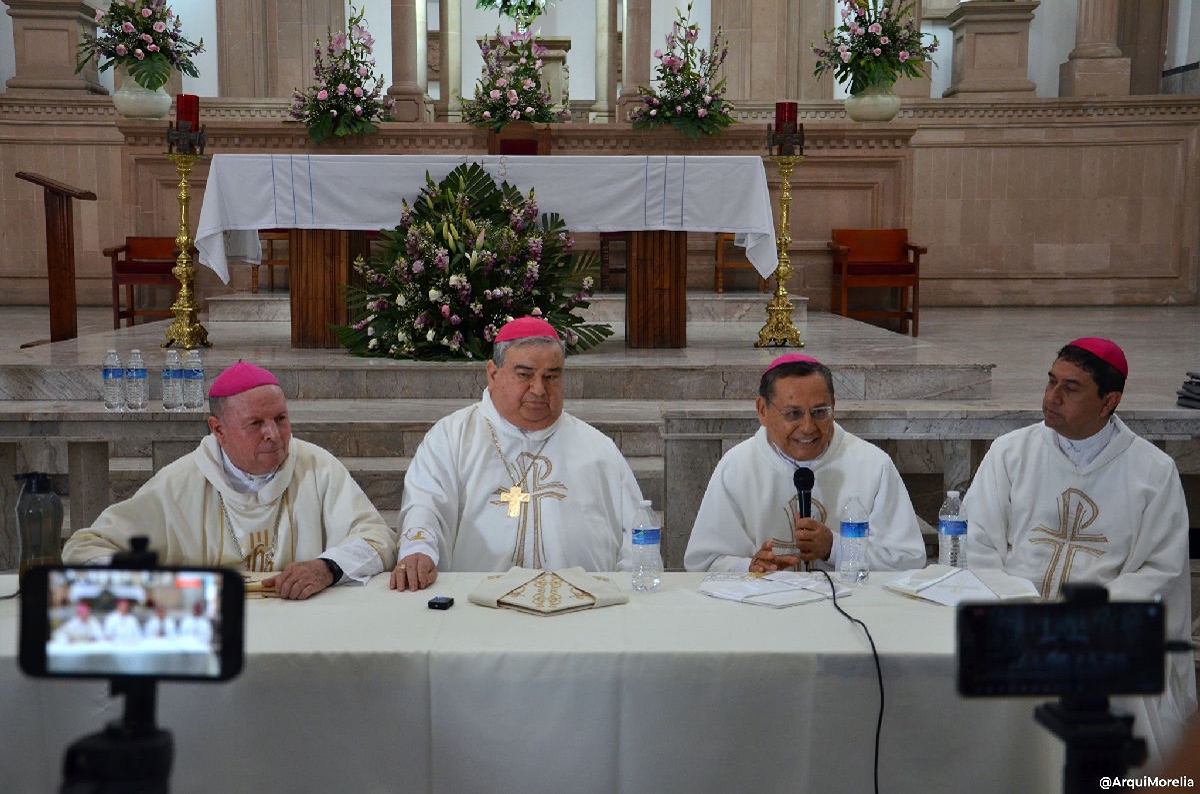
column 365, row 689
column 658, row 199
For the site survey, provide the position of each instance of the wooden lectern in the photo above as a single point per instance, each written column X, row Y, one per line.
column 60, row 252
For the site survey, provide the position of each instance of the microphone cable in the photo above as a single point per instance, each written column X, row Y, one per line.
column 878, row 669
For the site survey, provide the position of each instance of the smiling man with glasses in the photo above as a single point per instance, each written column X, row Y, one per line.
column 749, row 518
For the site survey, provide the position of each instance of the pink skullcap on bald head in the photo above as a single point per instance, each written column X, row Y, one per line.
column 524, row 327
column 239, row 378
column 1106, row 350
column 791, row 358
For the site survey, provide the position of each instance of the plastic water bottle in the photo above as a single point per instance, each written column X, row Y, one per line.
column 852, row 553
column 39, row 514
column 193, row 380
column 647, row 557
column 952, row 532
column 137, row 391
column 172, row 381
column 114, row 382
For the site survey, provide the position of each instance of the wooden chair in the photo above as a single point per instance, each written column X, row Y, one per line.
column 723, row 262
column 519, row 137
column 876, row 258
column 270, row 239
column 607, row 268
column 141, row 261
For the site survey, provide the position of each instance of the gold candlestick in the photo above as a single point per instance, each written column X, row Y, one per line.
column 185, row 330
column 780, row 330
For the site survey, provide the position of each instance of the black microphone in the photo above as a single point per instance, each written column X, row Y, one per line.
column 804, row 479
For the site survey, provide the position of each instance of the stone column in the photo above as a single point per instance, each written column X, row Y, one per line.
column 1096, row 66
column 606, row 77
column 46, row 37
column 405, row 90
column 265, row 47
column 991, row 49
column 449, row 103
column 635, row 63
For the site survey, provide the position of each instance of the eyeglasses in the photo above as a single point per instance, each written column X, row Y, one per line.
column 792, row 415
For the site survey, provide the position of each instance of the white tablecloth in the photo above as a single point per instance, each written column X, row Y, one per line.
column 247, row 192
column 366, row 690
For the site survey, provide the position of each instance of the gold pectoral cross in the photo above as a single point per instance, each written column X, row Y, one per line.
column 515, row 497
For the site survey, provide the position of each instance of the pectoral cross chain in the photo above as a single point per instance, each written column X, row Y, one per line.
column 514, row 497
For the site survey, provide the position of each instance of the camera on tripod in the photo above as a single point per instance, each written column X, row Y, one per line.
column 135, row 624
column 1082, row 649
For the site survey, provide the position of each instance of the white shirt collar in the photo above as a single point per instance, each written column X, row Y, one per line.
column 1085, row 450
column 239, row 480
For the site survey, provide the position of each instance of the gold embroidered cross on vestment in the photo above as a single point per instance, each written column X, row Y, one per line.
column 1076, row 512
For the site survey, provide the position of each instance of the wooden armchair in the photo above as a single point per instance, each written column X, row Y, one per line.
column 271, row 240
column 722, row 262
column 146, row 261
column 876, row 258
column 519, row 137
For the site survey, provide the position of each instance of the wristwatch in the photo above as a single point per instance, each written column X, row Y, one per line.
column 334, row 569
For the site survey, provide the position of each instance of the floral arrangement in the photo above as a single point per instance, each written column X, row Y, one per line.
column 511, row 88
column 690, row 96
column 467, row 257
column 348, row 97
column 523, row 11
column 877, row 42
column 144, row 36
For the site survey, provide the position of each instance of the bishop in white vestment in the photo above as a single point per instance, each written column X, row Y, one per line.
column 514, row 480
column 749, row 518
column 250, row 497
column 1080, row 498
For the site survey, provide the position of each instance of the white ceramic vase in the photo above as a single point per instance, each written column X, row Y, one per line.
column 135, row 101
column 874, row 103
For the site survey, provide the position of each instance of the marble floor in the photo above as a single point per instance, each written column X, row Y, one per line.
column 1161, row 342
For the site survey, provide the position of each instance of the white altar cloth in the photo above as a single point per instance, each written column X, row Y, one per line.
column 364, row 689
column 247, row 192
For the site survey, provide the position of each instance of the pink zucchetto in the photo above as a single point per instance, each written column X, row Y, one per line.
column 791, row 358
column 1106, row 350
column 524, row 327
column 239, row 378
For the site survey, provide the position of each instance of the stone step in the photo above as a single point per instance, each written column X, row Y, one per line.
column 604, row 307
column 382, row 478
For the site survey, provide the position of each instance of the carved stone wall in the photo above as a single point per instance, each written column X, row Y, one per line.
column 1045, row 202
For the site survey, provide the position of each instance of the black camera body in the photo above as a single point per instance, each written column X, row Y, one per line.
column 159, row 623
column 1082, row 649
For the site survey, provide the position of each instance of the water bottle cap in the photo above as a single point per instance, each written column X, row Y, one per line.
column 38, row 481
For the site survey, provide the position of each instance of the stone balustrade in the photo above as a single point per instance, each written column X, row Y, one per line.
column 687, row 437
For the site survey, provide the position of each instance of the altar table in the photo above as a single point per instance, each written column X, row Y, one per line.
column 362, row 689
column 655, row 198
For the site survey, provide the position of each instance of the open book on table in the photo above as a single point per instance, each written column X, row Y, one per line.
column 944, row 584
column 778, row 589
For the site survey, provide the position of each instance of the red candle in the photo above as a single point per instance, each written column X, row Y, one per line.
column 187, row 108
column 785, row 116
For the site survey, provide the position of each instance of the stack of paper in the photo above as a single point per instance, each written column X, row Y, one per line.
column 779, row 589
column 944, row 584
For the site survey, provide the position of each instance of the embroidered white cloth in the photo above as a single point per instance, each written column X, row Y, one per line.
column 247, row 192
column 547, row 592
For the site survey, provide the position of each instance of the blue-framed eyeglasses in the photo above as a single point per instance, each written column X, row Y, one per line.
column 792, row 415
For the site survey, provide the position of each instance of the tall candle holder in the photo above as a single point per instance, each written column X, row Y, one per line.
column 184, row 147
column 780, row 330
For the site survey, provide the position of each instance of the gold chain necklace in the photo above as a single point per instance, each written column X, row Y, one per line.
column 515, row 496
column 251, row 557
